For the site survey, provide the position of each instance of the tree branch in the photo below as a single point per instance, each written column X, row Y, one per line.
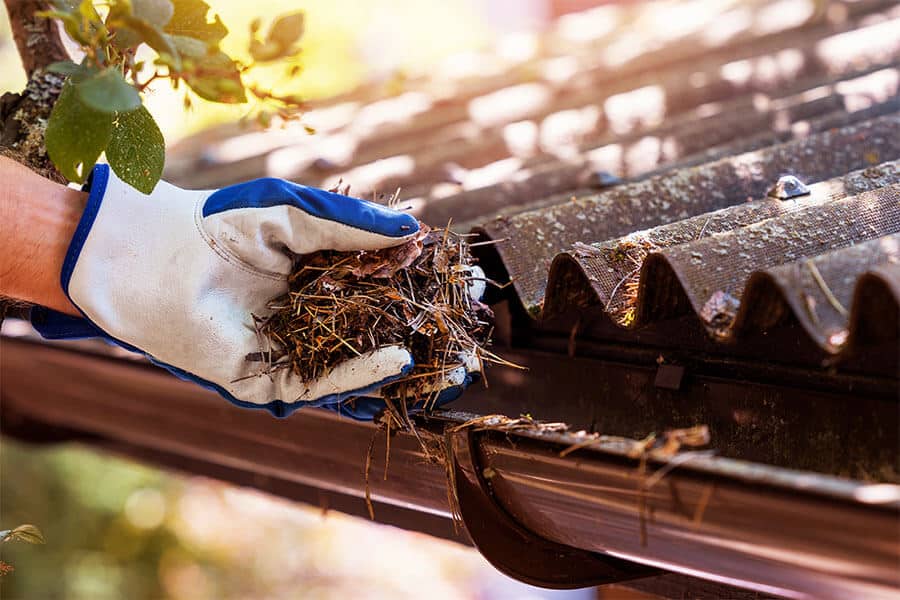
column 37, row 39
column 23, row 117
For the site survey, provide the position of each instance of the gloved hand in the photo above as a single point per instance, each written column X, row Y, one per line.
column 178, row 274
column 366, row 408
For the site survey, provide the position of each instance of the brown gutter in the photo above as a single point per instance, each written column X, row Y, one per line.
column 122, row 401
column 770, row 529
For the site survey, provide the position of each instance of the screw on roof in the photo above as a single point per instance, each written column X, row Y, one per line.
column 788, row 187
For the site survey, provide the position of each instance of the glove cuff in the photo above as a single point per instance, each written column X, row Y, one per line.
column 96, row 188
column 52, row 325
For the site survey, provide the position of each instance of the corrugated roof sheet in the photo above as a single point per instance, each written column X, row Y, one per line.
column 623, row 162
column 535, row 237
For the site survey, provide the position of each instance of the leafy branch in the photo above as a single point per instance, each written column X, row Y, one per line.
column 100, row 108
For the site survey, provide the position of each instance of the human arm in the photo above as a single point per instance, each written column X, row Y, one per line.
column 37, row 220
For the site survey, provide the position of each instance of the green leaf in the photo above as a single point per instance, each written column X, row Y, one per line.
column 119, row 9
column 279, row 43
column 65, row 67
column 71, row 23
column 286, row 30
column 217, row 78
column 107, row 91
column 189, row 19
column 75, row 72
column 155, row 12
column 91, row 25
column 189, row 47
column 23, row 533
column 137, row 150
column 141, row 21
column 144, row 31
column 87, row 10
column 76, row 134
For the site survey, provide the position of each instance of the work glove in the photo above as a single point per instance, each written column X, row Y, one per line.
column 178, row 275
column 454, row 383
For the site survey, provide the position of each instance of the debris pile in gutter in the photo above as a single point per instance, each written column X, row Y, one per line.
column 344, row 304
column 439, row 450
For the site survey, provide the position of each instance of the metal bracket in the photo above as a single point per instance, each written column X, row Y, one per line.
column 516, row 551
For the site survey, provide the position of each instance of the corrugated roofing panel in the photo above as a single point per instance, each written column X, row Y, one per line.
column 822, row 291
column 533, row 239
column 612, row 269
column 690, row 69
column 739, row 126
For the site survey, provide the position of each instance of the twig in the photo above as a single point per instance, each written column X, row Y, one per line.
column 674, row 463
column 368, row 468
column 702, row 504
column 612, row 294
column 488, row 242
column 832, row 300
column 703, row 229
column 387, row 449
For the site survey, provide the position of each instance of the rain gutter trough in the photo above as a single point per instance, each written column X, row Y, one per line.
column 593, row 516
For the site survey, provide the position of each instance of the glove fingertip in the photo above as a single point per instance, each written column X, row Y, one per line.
column 406, row 223
column 359, row 376
column 387, row 227
column 390, row 360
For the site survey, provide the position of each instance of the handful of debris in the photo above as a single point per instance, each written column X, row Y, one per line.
column 344, row 304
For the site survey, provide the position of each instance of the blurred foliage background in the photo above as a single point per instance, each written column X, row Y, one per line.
column 345, row 42
column 118, row 529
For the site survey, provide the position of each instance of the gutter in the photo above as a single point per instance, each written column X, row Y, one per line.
column 771, row 529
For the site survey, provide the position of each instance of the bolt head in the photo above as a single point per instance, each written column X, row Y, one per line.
column 788, row 187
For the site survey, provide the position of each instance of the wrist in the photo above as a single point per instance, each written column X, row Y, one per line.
column 38, row 221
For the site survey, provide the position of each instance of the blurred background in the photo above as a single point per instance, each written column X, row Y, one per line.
column 345, row 43
column 117, row 529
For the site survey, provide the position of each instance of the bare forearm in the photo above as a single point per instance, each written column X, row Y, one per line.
column 37, row 221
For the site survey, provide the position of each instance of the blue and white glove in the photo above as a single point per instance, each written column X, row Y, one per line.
column 178, row 274
column 366, row 408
